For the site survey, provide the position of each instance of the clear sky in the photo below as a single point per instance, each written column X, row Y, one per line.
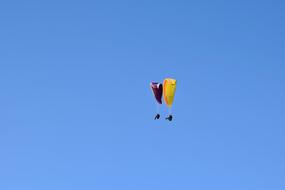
column 76, row 110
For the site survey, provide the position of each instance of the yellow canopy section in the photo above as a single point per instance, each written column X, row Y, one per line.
column 169, row 87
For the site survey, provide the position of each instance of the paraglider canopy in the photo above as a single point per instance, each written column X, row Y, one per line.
column 157, row 91
column 169, row 88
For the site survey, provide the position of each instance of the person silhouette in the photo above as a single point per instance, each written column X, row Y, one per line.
column 169, row 118
column 157, row 117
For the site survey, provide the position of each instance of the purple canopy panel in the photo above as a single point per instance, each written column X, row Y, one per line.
column 157, row 91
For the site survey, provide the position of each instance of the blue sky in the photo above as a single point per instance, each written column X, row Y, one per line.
column 76, row 111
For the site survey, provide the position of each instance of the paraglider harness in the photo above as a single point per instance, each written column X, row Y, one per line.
column 170, row 117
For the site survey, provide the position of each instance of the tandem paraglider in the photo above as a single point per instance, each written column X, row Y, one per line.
column 167, row 91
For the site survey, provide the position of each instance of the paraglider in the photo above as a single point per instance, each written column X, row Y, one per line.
column 157, row 93
column 167, row 90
